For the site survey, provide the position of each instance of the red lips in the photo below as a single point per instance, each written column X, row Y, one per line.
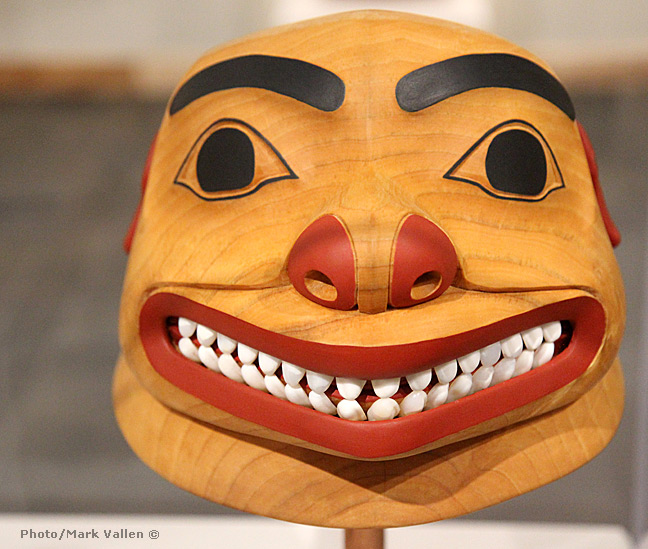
column 368, row 439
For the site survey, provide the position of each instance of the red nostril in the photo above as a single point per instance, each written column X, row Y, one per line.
column 321, row 264
column 424, row 263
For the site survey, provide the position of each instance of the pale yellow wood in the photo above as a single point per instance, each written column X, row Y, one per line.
column 370, row 164
column 298, row 485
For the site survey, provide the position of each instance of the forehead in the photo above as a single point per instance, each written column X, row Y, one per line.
column 366, row 48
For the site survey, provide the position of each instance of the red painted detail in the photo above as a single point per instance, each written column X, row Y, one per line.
column 421, row 247
column 369, row 439
column 325, row 247
column 612, row 231
column 128, row 239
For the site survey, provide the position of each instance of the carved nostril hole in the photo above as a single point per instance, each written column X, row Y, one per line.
column 320, row 285
column 425, row 285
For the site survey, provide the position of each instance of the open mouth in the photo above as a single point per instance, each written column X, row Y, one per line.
column 375, row 399
column 305, row 389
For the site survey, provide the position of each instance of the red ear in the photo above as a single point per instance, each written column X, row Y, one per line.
column 128, row 239
column 612, row 231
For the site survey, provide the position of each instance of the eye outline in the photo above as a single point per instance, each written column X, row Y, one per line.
column 202, row 138
column 511, row 196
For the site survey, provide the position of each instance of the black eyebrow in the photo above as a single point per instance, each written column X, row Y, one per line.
column 431, row 84
column 300, row 80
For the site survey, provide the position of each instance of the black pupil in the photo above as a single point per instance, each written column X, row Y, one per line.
column 516, row 163
column 225, row 161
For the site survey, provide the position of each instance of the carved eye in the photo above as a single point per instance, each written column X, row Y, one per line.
column 231, row 160
column 512, row 161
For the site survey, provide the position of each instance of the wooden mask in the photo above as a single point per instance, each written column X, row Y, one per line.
column 371, row 281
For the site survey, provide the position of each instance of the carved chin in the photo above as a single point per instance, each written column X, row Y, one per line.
column 369, row 402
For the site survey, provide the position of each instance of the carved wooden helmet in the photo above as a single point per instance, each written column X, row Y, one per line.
column 371, row 280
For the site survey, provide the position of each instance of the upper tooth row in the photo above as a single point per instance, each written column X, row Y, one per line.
column 473, row 372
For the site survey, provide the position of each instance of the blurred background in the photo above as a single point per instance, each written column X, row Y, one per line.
column 83, row 86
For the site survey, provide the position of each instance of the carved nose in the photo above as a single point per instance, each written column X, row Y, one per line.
column 322, row 265
column 424, row 263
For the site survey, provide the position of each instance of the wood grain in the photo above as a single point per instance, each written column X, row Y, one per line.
column 290, row 483
column 371, row 165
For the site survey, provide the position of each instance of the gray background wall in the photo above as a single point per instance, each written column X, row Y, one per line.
column 69, row 175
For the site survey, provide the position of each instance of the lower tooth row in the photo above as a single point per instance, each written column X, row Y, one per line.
column 474, row 372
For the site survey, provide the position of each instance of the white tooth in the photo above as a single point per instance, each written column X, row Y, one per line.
column 413, row 403
column 490, row 354
column 523, row 363
column 318, row 382
column 469, row 362
column 268, row 364
column 460, row 387
column 297, row 395
column 551, row 331
column 503, row 370
column 187, row 327
column 253, row 377
column 275, row 387
column 230, row 367
column 208, row 357
column 382, row 409
column 350, row 388
column 322, row 403
column 206, row 336
column 292, row 374
column 188, row 349
column 543, row 355
column 246, row 354
column 419, row 380
column 350, row 409
column 446, row 372
column 482, row 378
column 438, row 395
column 385, row 388
column 226, row 344
column 512, row 346
column 533, row 338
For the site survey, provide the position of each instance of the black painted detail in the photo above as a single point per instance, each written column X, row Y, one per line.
column 511, row 161
column 223, row 163
column 433, row 83
column 516, row 163
column 300, row 80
